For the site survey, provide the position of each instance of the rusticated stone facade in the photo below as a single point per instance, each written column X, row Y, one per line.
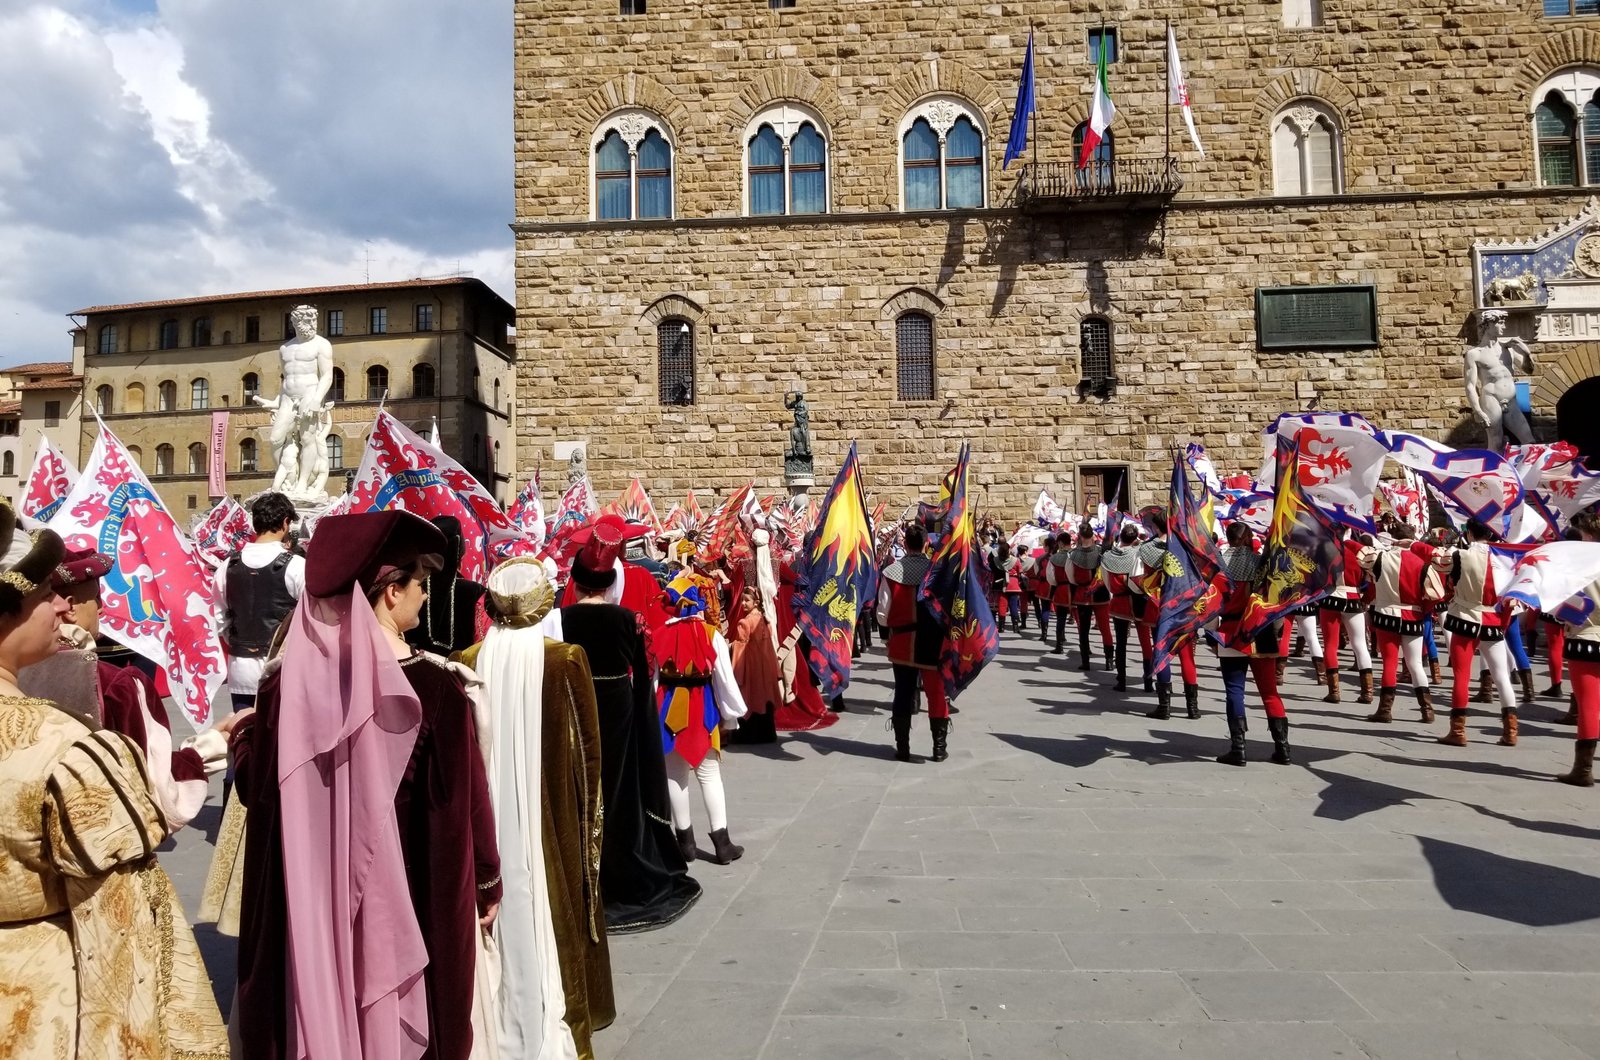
column 1432, row 104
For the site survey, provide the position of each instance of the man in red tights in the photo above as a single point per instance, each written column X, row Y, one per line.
column 1257, row 658
column 1406, row 585
column 1120, row 567
column 1475, row 627
column 1344, row 610
column 1153, row 555
column 1583, row 666
column 1090, row 599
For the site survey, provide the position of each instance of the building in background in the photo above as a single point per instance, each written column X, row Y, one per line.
column 723, row 201
column 427, row 350
column 44, row 398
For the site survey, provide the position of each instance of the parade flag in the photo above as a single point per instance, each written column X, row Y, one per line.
column 577, row 508
column 953, row 591
column 1191, row 562
column 1253, row 510
column 217, row 456
column 400, row 470
column 837, row 577
column 1046, row 512
column 49, row 481
column 1469, row 483
column 225, row 530
column 1341, row 456
column 1178, row 88
column 724, row 523
column 159, row 599
column 1551, row 577
column 1302, row 557
column 1102, row 111
column 527, row 511
column 1018, row 140
column 634, row 506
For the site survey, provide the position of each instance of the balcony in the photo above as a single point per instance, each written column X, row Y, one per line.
column 1122, row 183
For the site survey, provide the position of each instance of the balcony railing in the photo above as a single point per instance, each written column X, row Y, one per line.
column 1122, row 182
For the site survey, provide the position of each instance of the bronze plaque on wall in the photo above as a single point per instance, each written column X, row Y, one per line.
column 1342, row 317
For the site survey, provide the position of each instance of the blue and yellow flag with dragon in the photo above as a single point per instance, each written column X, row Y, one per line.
column 953, row 590
column 837, row 576
column 1302, row 558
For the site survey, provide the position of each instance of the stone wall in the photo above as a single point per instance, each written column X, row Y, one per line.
column 1433, row 106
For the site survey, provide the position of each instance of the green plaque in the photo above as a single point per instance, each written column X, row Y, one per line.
column 1332, row 317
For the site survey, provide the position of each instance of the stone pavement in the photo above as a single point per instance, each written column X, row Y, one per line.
column 1080, row 881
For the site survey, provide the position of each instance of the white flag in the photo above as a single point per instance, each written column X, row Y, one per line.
column 1178, row 88
column 433, row 437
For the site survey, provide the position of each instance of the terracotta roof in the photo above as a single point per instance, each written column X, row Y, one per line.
column 296, row 292
column 10, row 408
column 39, row 368
column 60, row 382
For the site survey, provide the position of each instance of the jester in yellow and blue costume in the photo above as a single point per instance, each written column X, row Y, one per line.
column 697, row 696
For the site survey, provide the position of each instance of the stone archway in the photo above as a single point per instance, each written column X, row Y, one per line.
column 1578, row 418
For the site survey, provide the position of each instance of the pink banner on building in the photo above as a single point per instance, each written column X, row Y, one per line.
column 219, row 454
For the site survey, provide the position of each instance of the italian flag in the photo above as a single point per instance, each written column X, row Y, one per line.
column 1101, row 112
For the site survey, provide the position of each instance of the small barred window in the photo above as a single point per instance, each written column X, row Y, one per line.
column 913, row 341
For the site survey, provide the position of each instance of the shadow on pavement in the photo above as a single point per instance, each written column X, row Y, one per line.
column 1510, row 889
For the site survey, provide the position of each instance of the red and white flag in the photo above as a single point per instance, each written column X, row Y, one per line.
column 49, row 481
column 724, row 523
column 527, row 511
column 634, row 507
column 1178, row 88
column 1551, row 578
column 159, row 598
column 401, row 470
column 225, row 529
column 1101, row 113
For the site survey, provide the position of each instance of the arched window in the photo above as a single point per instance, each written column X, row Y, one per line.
column 137, row 454
column 163, row 459
column 1306, row 151
column 377, row 382
column 335, row 453
column 200, row 332
column 336, row 390
column 1100, row 173
column 169, row 335
column 107, row 342
column 477, row 450
column 632, row 168
column 197, row 459
column 1566, row 129
column 477, row 382
column 199, row 394
column 166, row 395
column 134, row 400
column 422, row 381
column 102, row 400
column 786, row 162
column 675, row 362
column 8, row 465
column 1096, row 366
column 941, row 155
column 497, row 393
column 247, row 454
column 913, row 356
column 252, row 387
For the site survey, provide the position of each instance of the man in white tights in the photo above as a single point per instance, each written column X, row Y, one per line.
column 1475, row 627
column 1344, row 610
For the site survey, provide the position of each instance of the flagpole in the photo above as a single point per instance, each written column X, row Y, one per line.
column 1167, row 110
column 1034, row 117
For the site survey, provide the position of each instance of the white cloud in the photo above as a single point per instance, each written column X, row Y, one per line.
column 214, row 146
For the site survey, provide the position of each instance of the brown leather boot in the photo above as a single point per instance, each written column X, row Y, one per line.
column 1333, row 687
column 1582, row 774
column 1366, row 687
column 1322, row 671
column 1485, row 692
column 1508, row 728
column 1385, row 712
column 1526, row 677
column 1283, row 668
column 1571, row 716
column 1457, row 736
column 1433, row 672
column 1425, row 704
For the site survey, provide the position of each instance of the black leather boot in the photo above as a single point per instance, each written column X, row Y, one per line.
column 1236, row 730
column 902, row 737
column 941, row 738
column 1149, row 681
column 1163, row 709
column 1279, row 727
column 686, row 846
column 1083, row 646
column 1191, row 700
column 727, row 851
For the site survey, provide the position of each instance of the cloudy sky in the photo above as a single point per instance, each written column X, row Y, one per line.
column 163, row 148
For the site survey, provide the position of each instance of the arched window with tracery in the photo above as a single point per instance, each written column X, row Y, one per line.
column 632, row 168
column 1566, row 129
column 786, row 162
column 941, row 156
column 1307, row 155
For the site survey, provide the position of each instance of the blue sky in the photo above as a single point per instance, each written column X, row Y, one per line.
column 163, row 148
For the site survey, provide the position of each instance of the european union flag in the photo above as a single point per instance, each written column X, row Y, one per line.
column 1018, row 141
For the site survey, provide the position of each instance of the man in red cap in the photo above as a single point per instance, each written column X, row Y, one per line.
column 107, row 690
column 370, row 856
column 600, row 548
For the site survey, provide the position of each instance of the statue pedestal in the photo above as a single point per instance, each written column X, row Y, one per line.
column 798, row 475
column 799, row 486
